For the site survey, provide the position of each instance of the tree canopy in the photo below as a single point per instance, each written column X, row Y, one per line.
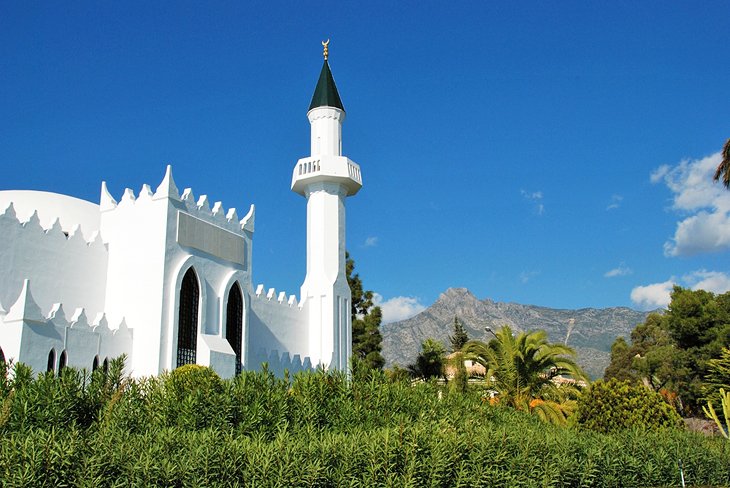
column 430, row 361
column 672, row 352
column 366, row 318
column 460, row 336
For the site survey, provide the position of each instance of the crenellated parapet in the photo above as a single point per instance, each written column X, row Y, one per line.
column 48, row 341
column 270, row 295
column 199, row 208
column 51, row 256
column 52, row 235
column 26, row 310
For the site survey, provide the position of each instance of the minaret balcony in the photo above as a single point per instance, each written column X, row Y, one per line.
column 331, row 169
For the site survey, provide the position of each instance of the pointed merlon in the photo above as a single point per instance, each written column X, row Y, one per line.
column 232, row 216
column 10, row 214
column 282, row 297
column 106, row 201
column 128, row 196
column 203, row 204
column 34, row 222
column 56, row 230
column 76, row 236
column 259, row 290
column 271, row 294
column 325, row 94
column 247, row 223
column 145, row 192
column 188, row 197
column 25, row 308
column 167, row 188
column 57, row 314
column 100, row 321
column 79, row 319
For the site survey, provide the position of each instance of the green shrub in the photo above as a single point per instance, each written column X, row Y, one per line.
column 194, row 398
column 317, row 429
column 612, row 405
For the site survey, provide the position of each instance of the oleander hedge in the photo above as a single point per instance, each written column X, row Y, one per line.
column 315, row 429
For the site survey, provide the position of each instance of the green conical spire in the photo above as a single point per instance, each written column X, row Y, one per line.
column 325, row 95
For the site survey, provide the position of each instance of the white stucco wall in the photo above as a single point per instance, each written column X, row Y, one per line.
column 277, row 325
column 28, row 334
column 62, row 269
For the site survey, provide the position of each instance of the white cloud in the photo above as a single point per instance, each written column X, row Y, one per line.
column 371, row 241
column 536, row 197
column 398, row 308
column 615, row 202
column 652, row 296
column 658, row 174
column 703, row 204
column 713, row 281
column 657, row 295
column 622, row 270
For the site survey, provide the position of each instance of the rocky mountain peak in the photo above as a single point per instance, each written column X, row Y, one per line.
column 591, row 334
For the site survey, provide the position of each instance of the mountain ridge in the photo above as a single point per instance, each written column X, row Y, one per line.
column 591, row 335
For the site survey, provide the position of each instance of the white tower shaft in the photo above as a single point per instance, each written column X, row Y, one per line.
column 326, row 178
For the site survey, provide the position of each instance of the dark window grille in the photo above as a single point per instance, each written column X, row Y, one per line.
column 2, row 355
column 51, row 361
column 105, row 365
column 187, row 329
column 95, row 365
column 234, row 322
column 62, row 361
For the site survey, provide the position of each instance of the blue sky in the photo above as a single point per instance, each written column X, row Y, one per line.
column 550, row 153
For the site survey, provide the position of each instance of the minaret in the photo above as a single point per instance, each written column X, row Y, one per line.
column 326, row 178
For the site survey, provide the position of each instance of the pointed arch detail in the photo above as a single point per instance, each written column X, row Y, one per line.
column 234, row 322
column 188, row 308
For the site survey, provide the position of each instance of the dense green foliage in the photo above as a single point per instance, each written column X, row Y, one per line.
column 521, row 370
column 613, row 405
column 722, row 420
column 460, row 337
column 430, row 361
column 671, row 352
column 316, row 429
column 366, row 338
column 718, row 372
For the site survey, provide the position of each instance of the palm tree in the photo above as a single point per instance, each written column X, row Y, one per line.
column 723, row 169
column 521, row 370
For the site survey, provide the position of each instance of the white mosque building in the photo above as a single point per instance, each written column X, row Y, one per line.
column 165, row 278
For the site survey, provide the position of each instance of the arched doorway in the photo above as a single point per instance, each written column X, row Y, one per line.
column 234, row 322
column 51, row 365
column 187, row 324
column 62, row 361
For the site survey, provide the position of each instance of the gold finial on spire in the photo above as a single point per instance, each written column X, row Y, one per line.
column 325, row 44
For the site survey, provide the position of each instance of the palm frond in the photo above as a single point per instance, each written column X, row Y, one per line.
column 723, row 169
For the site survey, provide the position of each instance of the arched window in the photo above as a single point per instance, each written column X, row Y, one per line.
column 105, row 366
column 51, row 366
column 187, row 324
column 234, row 322
column 95, row 364
column 62, row 361
column 2, row 355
